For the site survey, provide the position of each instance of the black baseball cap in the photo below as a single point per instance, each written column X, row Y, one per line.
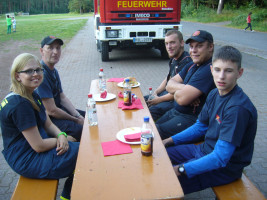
column 200, row 36
column 49, row 40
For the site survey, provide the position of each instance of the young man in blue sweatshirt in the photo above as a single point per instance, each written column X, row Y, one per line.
column 228, row 121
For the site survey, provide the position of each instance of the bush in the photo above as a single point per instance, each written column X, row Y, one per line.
column 187, row 10
column 239, row 20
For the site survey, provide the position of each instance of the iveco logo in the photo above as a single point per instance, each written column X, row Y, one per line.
column 142, row 15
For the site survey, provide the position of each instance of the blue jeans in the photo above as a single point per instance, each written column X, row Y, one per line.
column 160, row 109
column 185, row 153
column 174, row 122
column 249, row 26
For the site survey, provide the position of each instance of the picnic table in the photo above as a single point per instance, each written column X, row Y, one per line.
column 125, row 176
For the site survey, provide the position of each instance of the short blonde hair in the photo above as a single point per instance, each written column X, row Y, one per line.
column 18, row 64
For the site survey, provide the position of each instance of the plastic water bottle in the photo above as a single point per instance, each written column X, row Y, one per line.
column 146, row 138
column 102, row 81
column 91, row 111
column 150, row 96
column 127, row 93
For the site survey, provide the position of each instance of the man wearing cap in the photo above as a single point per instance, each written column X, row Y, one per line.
column 163, row 101
column 190, row 87
column 60, row 109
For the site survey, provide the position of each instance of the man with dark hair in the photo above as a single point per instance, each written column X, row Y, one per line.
column 228, row 121
column 60, row 109
column 190, row 87
column 163, row 101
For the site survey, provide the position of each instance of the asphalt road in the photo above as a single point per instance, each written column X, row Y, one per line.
column 253, row 43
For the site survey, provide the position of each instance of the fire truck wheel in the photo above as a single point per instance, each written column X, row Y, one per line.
column 104, row 51
column 98, row 45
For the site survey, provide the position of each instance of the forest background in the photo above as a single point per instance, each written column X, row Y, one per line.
column 233, row 11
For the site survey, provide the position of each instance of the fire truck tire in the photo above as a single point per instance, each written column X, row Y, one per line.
column 104, row 51
column 98, row 45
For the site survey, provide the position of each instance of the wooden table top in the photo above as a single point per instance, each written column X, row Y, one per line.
column 126, row 176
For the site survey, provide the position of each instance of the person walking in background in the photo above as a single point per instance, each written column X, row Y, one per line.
column 249, row 22
column 14, row 24
column 33, row 146
column 163, row 100
column 9, row 23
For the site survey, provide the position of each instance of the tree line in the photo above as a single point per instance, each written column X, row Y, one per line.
column 84, row 6
column 45, row 6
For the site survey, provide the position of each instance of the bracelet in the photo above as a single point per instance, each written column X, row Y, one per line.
column 62, row 133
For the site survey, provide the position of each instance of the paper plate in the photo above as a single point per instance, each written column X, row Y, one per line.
column 109, row 97
column 128, row 131
column 120, row 84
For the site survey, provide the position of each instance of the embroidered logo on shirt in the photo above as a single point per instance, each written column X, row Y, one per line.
column 218, row 119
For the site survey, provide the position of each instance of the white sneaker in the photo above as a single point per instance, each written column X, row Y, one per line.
column 252, row 31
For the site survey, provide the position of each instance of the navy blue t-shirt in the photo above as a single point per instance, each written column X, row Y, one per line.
column 175, row 66
column 17, row 114
column 199, row 77
column 232, row 118
column 51, row 85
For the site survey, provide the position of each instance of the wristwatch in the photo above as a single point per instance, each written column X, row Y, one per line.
column 181, row 169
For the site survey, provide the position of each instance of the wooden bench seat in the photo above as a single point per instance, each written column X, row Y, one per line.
column 241, row 189
column 33, row 189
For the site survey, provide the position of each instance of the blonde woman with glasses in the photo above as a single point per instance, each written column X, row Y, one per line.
column 33, row 146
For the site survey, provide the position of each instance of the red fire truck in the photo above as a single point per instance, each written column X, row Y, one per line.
column 134, row 23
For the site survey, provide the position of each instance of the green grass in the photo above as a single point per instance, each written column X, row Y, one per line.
column 237, row 17
column 36, row 27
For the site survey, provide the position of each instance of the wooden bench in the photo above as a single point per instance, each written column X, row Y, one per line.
column 32, row 189
column 241, row 189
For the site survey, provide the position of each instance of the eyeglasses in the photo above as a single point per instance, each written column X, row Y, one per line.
column 31, row 71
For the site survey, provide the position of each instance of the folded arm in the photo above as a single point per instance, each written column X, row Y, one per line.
column 174, row 84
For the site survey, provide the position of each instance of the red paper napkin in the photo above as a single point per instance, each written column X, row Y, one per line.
column 135, row 137
column 116, row 80
column 115, row 147
column 103, row 95
column 135, row 105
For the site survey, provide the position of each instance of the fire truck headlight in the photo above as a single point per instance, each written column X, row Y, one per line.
column 112, row 33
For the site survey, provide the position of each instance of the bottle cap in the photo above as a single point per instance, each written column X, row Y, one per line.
column 127, row 80
column 101, row 70
column 146, row 119
column 90, row 95
column 150, row 88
